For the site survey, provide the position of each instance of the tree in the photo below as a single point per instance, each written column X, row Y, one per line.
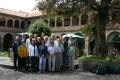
column 70, row 7
column 38, row 27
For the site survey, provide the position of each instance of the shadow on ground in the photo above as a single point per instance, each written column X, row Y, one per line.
column 6, row 66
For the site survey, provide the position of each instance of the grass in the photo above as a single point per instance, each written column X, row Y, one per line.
column 3, row 54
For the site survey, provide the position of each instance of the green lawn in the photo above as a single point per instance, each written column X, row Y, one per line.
column 3, row 54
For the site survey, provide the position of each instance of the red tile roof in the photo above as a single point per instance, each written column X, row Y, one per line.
column 21, row 13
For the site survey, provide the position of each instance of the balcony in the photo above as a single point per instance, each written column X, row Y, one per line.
column 66, row 29
column 9, row 29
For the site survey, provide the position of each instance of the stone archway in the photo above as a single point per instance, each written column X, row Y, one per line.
column 7, row 43
column 84, row 19
column 113, row 40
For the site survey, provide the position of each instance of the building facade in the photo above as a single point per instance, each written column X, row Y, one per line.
column 12, row 22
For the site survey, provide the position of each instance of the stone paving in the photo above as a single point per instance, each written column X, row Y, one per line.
column 7, row 73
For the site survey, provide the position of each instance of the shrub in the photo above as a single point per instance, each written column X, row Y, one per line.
column 38, row 27
column 100, row 65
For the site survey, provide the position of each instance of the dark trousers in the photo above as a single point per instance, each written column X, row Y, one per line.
column 15, row 60
column 32, row 63
column 22, row 63
column 47, row 68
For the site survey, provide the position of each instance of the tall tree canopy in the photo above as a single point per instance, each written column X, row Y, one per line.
column 71, row 7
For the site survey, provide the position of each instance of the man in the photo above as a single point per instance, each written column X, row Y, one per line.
column 59, row 54
column 29, row 40
column 71, row 56
column 65, row 53
column 15, row 51
column 42, row 35
column 33, row 53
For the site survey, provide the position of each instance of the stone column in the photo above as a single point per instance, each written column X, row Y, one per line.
column 19, row 24
column 55, row 22
column 86, row 45
column 89, row 18
column 71, row 21
column 80, row 19
column 13, row 22
column 6, row 19
column 62, row 22
column 48, row 22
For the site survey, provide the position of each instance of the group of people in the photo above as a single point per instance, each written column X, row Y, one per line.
column 43, row 53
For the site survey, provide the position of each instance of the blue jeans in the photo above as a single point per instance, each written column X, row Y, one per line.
column 42, row 63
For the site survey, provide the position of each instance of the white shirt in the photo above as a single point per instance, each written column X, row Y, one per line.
column 31, row 50
column 70, row 42
column 60, row 49
column 56, row 43
column 51, row 50
column 28, row 42
column 47, row 43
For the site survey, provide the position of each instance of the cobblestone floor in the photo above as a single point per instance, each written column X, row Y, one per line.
column 7, row 73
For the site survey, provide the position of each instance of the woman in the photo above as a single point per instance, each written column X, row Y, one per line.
column 52, row 58
column 42, row 57
column 59, row 54
column 23, row 54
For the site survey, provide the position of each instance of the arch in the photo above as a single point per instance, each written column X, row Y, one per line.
column 28, row 23
column 52, row 22
column 23, row 25
column 45, row 20
column 113, row 39
column 75, row 20
column 16, row 24
column 115, row 16
column 84, row 19
column 10, row 23
column 67, row 21
column 59, row 22
column 2, row 21
column 8, row 40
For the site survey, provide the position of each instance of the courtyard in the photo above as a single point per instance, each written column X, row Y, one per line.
column 7, row 73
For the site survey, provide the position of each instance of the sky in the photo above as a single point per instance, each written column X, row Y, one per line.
column 18, row 5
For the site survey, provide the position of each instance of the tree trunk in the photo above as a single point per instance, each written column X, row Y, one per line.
column 101, row 44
